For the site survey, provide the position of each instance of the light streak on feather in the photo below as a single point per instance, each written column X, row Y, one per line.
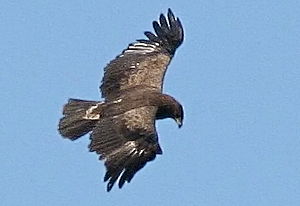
column 89, row 113
column 140, row 47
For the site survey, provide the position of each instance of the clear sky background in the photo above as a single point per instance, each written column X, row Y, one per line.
column 237, row 75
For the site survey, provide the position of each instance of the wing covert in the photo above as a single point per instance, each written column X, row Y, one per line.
column 144, row 63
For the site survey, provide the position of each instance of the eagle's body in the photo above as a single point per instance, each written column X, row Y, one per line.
column 122, row 126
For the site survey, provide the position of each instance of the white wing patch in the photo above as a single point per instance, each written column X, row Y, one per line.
column 139, row 47
column 132, row 146
column 117, row 101
column 89, row 113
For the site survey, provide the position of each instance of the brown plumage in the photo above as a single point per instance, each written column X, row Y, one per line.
column 122, row 126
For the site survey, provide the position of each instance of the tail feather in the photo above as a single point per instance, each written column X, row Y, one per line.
column 80, row 117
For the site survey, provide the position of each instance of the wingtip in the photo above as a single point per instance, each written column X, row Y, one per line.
column 170, row 11
column 109, row 187
column 168, row 30
column 170, row 14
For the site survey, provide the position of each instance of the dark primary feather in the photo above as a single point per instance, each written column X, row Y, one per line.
column 144, row 62
column 169, row 33
column 126, row 146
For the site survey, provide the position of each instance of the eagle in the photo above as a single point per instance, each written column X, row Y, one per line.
column 122, row 126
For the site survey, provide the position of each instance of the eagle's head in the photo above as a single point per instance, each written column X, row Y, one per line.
column 171, row 108
column 178, row 115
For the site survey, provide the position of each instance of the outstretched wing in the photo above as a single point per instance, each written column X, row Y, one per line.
column 143, row 64
column 126, row 142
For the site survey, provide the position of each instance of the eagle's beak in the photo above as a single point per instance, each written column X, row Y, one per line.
column 179, row 122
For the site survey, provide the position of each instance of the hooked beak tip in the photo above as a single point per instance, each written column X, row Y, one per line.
column 179, row 123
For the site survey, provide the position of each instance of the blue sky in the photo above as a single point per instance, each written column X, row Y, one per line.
column 237, row 75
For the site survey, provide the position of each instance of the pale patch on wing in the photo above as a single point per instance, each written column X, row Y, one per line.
column 91, row 113
column 132, row 146
column 117, row 101
column 142, row 48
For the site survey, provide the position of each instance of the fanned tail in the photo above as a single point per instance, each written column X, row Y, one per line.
column 80, row 117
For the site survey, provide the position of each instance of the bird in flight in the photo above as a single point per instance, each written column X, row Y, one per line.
column 122, row 126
